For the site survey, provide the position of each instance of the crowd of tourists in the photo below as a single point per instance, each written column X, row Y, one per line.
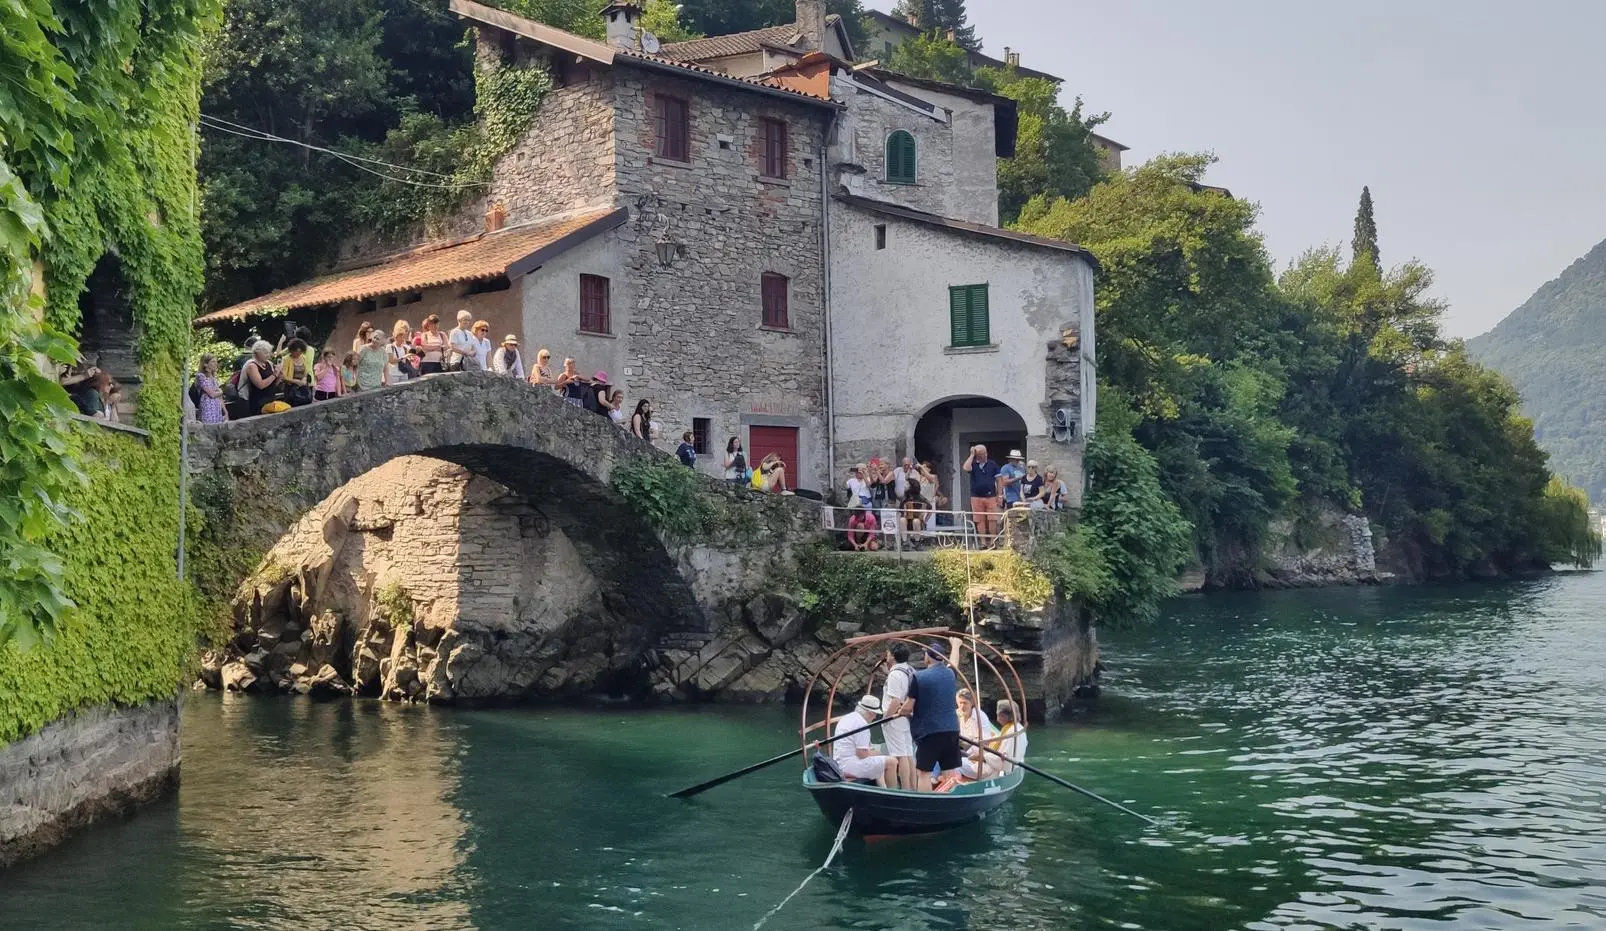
column 268, row 378
column 908, row 499
column 934, row 733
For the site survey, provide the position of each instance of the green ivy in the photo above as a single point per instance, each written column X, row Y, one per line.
column 667, row 493
column 97, row 110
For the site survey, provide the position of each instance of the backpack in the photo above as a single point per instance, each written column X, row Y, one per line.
column 195, row 392
column 826, row 769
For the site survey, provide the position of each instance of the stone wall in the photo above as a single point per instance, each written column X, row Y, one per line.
column 96, row 764
column 564, row 162
column 695, row 339
column 1323, row 546
column 956, row 166
column 901, row 292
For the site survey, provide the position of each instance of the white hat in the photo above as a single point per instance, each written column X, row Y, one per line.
column 870, row 703
column 1015, row 454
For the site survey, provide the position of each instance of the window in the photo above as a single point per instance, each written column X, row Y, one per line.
column 901, row 158
column 880, row 235
column 672, row 117
column 594, row 313
column 775, row 301
column 967, row 315
column 774, row 154
column 701, row 430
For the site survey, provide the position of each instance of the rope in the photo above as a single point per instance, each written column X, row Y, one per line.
column 841, row 835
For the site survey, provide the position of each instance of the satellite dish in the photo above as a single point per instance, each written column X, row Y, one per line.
column 650, row 43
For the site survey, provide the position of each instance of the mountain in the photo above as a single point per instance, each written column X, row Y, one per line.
column 1553, row 348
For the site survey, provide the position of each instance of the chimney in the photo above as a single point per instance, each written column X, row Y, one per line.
column 495, row 217
column 622, row 17
column 1011, row 58
column 811, row 23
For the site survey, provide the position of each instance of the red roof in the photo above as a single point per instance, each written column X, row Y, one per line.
column 488, row 255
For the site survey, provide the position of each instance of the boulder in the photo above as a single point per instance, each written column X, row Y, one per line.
column 212, row 668
column 775, row 616
column 237, row 676
column 326, row 683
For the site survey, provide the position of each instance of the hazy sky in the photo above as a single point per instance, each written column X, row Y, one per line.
column 1480, row 125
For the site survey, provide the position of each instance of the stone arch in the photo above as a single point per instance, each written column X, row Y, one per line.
column 256, row 478
column 944, row 427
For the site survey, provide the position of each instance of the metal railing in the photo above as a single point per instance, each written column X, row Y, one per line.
column 894, row 532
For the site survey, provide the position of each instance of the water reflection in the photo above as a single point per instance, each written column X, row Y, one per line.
column 1394, row 759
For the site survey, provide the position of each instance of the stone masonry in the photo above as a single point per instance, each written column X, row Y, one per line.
column 86, row 767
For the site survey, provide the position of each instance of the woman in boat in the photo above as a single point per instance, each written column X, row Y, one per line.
column 973, row 725
column 1009, row 739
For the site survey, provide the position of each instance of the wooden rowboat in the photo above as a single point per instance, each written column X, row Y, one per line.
column 879, row 811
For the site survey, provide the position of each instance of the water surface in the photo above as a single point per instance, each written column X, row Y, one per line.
column 1376, row 758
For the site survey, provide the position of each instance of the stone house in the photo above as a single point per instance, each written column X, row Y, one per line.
column 765, row 239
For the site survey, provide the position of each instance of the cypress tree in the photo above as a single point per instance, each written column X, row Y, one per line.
column 1365, row 243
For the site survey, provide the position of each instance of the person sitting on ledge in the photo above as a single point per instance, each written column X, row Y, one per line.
column 863, row 531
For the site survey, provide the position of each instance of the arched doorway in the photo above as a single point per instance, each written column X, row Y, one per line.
column 947, row 429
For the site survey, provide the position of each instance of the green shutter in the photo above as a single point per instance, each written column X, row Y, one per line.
column 968, row 323
column 980, row 334
column 958, row 317
column 901, row 158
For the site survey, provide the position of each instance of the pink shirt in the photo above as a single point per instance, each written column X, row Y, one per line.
column 328, row 379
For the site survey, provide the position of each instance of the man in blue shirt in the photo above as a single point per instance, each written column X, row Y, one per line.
column 983, row 474
column 1009, row 478
column 935, row 718
column 687, row 451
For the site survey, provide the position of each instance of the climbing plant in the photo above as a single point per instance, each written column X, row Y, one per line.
column 98, row 104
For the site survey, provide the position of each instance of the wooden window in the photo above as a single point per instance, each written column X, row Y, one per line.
column 702, row 430
column 881, row 236
column 672, row 116
column 776, row 312
column 595, row 316
column 774, row 155
column 967, row 315
column 901, row 158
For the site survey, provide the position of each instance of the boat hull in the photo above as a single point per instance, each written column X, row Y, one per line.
column 879, row 811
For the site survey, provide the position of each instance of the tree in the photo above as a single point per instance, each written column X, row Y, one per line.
column 933, row 58
column 940, row 18
column 1188, row 316
column 1055, row 156
column 1365, row 241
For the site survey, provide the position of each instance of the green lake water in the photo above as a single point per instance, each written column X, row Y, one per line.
column 1427, row 758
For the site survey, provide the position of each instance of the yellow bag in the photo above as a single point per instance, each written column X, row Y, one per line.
column 275, row 407
column 758, row 479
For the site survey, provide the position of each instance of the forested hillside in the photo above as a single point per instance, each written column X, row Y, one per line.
column 1553, row 348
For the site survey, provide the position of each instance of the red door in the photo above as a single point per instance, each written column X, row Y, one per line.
column 782, row 441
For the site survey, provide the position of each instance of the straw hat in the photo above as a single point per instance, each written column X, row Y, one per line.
column 870, row 703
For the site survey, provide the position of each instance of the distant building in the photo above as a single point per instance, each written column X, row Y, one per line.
column 1109, row 153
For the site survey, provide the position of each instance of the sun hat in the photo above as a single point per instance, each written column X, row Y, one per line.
column 510, row 339
column 870, row 703
column 601, row 377
column 1015, row 454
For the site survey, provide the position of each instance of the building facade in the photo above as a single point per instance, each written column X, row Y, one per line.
column 806, row 259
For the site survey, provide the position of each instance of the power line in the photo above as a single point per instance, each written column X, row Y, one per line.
column 265, row 135
column 223, row 126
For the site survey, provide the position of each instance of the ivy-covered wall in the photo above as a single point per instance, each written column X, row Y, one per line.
column 98, row 105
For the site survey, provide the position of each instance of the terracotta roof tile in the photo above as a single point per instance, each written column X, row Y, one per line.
column 762, row 82
column 737, row 43
column 484, row 256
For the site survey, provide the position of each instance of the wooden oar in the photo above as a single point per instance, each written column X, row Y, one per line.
column 1053, row 778
column 721, row 780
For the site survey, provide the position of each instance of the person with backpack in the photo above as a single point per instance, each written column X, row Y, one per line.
column 206, row 394
column 259, row 379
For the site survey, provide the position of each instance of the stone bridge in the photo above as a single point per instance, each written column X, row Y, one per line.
column 254, row 480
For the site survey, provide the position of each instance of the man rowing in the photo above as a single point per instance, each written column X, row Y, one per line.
column 855, row 755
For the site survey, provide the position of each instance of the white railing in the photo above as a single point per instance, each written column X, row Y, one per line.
column 970, row 530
